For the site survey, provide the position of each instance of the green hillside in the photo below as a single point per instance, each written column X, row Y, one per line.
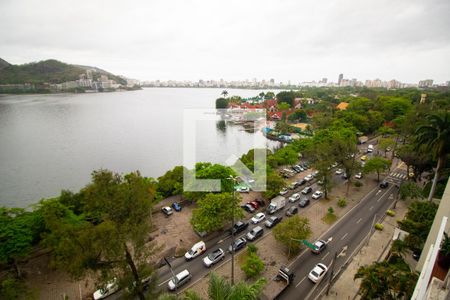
column 47, row 71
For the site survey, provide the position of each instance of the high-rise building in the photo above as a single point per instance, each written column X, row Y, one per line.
column 426, row 83
column 341, row 76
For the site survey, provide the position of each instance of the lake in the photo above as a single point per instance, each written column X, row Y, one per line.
column 54, row 142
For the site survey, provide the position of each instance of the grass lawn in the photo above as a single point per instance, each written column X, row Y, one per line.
column 329, row 218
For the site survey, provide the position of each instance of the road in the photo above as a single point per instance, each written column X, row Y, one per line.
column 352, row 230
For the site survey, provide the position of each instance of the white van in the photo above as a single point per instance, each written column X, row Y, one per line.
column 370, row 149
column 179, row 279
column 196, row 250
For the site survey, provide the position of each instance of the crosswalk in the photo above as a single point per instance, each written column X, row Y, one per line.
column 398, row 175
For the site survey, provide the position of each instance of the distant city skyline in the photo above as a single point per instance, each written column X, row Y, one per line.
column 406, row 40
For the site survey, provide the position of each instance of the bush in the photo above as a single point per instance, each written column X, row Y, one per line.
column 330, row 210
column 342, row 202
column 390, row 213
column 253, row 265
column 379, row 226
column 358, row 184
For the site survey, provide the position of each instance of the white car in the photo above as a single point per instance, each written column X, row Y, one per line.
column 294, row 197
column 358, row 175
column 308, row 177
column 244, row 189
column 284, row 191
column 339, row 171
column 318, row 272
column 258, row 218
column 110, row 288
column 167, row 210
column 317, row 195
column 315, row 173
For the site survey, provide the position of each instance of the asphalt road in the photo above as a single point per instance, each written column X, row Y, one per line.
column 347, row 234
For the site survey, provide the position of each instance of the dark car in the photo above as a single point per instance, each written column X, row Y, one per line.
column 248, row 208
column 176, row 206
column 272, row 221
column 260, row 202
column 344, row 176
column 301, row 182
column 291, row 211
column 303, row 202
column 239, row 227
column 384, row 184
column 416, row 254
column 296, row 169
column 307, row 190
column 319, row 246
column 237, row 245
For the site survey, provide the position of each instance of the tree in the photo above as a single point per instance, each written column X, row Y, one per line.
column 283, row 106
column 224, row 93
column 252, row 264
column 261, row 95
column 17, row 233
column 269, row 95
column 434, row 136
column 298, row 116
column 221, row 103
column 220, row 289
column 274, row 184
column 214, row 211
column 109, row 237
column 296, row 228
column 171, row 183
column 377, row 165
column 386, row 143
column 385, row 280
column 410, row 190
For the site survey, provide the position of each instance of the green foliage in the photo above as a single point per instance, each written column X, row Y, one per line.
column 221, row 103
column 274, row 184
column 269, row 95
column 390, row 213
column 13, row 288
column 171, row 183
column 214, row 211
column 252, row 265
column 379, row 226
column 409, row 189
column 295, row 227
column 386, row 143
column 392, row 107
column 376, row 165
column 287, row 97
column 342, row 202
column 298, row 116
column 358, row 184
column 113, row 206
column 417, row 222
column 330, row 210
column 283, row 106
column 285, row 156
column 221, row 289
column 385, row 280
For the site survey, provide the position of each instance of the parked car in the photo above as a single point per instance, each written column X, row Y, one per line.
column 364, row 157
column 319, row 246
column 284, row 191
column 344, row 176
column 237, row 245
column 315, row 173
column 258, row 218
column 167, row 210
column 248, row 208
column 213, row 257
column 317, row 195
column 300, row 167
column 260, row 202
column 308, row 178
column 255, row 233
column 292, row 185
column 301, row 182
column 239, row 226
column 305, row 165
column 176, row 206
column 303, row 202
column 334, row 165
column 384, row 184
column 358, row 175
column 307, row 190
column 296, row 169
column 180, row 279
column 244, row 189
column 196, row 250
column 254, row 204
column 339, row 171
column 291, row 211
column 272, row 221
column 294, row 197
column 110, row 288
column 318, row 272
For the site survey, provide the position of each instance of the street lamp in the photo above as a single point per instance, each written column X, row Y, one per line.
column 234, row 179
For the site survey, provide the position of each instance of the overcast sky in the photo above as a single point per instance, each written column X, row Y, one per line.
column 296, row 40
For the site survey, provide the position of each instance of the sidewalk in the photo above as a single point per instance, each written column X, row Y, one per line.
column 376, row 250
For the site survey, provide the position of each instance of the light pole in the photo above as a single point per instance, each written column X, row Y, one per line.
column 232, row 229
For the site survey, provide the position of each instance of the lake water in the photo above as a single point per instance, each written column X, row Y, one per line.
column 54, row 142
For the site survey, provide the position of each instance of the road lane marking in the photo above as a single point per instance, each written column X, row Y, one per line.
column 371, row 208
column 164, row 282
column 378, row 200
column 360, row 219
column 300, row 282
column 344, row 236
column 325, row 255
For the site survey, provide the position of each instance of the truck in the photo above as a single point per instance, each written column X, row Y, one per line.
column 363, row 139
column 279, row 284
column 276, row 204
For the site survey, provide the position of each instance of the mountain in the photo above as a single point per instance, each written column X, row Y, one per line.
column 3, row 64
column 48, row 71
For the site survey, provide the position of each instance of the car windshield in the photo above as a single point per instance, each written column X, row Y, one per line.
column 191, row 252
column 212, row 255
column 314, row 273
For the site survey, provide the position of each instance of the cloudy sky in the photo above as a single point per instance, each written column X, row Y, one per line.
column 287, row 40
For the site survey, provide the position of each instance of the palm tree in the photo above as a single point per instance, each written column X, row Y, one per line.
column 224, row 93
column 434, row 136
column 220, row 289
